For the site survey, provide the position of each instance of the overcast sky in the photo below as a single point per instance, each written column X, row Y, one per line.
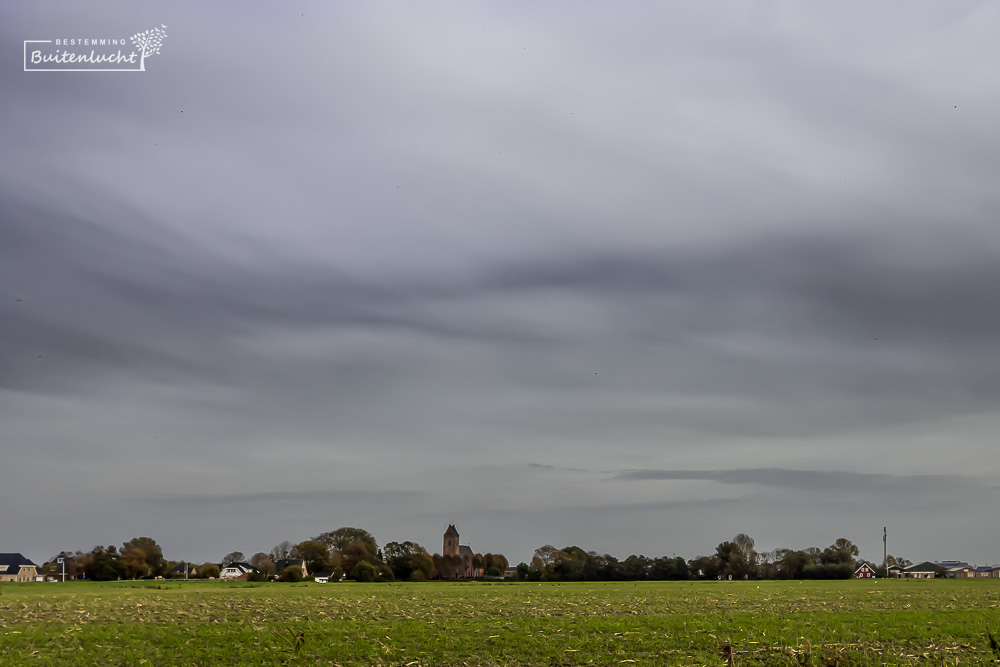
column 636, row 277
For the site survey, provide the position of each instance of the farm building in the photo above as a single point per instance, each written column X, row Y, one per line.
column 864, row 571
column 925, row 570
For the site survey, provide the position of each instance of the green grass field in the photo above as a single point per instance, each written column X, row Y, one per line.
column 661, row 623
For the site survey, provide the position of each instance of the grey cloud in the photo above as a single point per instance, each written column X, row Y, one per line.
column 841, row 481
column 646, row 237
column 330, row 497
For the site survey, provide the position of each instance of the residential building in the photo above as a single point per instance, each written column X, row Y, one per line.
column 925, row 570
column 237, row 571
column 183, row 570
column 864, row 571
column 15, row 567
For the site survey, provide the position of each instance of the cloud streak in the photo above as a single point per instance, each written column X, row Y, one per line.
column 506, row 267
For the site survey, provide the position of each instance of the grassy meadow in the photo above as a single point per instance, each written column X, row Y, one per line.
column 648, row 623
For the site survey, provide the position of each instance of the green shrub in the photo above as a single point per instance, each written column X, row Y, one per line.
column 828, row 571
column 364, row 571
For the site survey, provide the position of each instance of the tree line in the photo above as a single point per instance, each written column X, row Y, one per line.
column 737, row 558
column 347, row 551
column 354, row 553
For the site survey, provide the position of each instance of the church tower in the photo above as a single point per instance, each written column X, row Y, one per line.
column 450, row 541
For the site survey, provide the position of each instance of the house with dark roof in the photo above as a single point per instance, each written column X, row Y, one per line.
column 183, row 569
column 925, row 570
column 15, row 567
column 952, row 564
column 237, row 571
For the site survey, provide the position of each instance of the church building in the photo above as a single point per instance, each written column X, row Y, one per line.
column 451, row 547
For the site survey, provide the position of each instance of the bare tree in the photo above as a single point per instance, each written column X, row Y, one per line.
column 233, row 557
column 282, row 550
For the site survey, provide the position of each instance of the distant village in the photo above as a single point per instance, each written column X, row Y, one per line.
column 353, row 554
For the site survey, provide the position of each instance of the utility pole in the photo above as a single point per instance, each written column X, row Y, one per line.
column 885, row 557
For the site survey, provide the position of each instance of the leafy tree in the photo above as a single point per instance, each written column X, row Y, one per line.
column 791, row 563
column 843, row 551
column 669, row 568
column 234, row 557
column 565, row 565
column 828, row 571
column 209, row 571
column 602, row 567
column 705, row 567
column 335, row 563
column 493, row 572
column 737, row 558
column 422, row 563
column 384, row 572
column 104, row 564
column 353, row 554
column 844, row 544
column 150, row 562
column 263, row 563
column 522, row 571
column 135, row 563
column 364, row 571
column 743, row 563
column 314, row 553
column 404, row 558
column 448, row 567
column 496, row 560
column 342, row 538
column 545, row 555
column 291, row 573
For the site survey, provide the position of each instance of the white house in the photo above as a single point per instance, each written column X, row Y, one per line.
column 237, row 571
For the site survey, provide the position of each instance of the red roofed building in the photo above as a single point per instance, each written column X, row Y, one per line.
column 864, row 571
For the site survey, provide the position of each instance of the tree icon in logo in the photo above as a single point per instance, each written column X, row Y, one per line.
column 149, row 42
